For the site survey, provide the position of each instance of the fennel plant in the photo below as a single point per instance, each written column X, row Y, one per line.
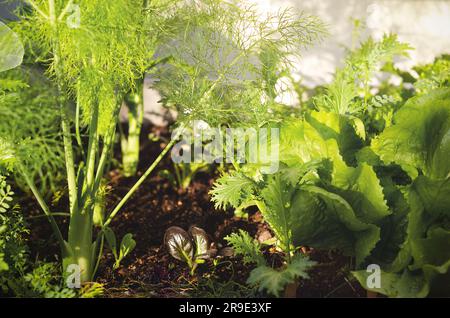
column 97, row 60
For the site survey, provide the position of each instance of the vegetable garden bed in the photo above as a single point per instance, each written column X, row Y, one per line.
column 344, row 194
column 151, row 272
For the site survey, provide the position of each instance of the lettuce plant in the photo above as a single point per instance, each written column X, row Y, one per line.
column 365, row 210
column 381, row 198
column 414, row 247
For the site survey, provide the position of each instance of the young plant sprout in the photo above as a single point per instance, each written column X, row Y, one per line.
column 191, row 247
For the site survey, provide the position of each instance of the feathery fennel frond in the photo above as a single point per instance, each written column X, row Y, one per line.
column 353, row 79
column 96, row 52
column 219, row 63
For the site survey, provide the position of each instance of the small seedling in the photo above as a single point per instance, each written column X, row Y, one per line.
column 192, row 247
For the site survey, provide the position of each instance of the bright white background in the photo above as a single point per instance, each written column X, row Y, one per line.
column 425, row 24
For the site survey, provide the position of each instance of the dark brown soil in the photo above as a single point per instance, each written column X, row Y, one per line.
column 149, row 271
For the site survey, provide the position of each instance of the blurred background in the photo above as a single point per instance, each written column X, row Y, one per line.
column 424, row 24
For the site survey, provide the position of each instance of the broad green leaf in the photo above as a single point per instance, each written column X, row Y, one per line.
column 432, row 255
column 111, row 240
column 403, row 285
column 421, row 265
column 322, row 219
column 127, row 245
column 393, row 251
column 361, row 188
column 341, row 128
column 300, row 142
column 11, row 49
column 420, row 137
column 430, row 205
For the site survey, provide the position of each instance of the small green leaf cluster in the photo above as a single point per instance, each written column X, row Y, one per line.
column 19, row 276
column 263, row 276
column 127, row 245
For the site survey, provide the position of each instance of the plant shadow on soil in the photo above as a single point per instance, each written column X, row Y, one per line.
column 149, row 271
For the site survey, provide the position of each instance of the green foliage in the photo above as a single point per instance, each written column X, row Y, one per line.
column 13, row 250
column 30, row 127
column 126, row 246
column 20, row 277
column 223, row 65
column 94, row 52
column 352, row 81
column 44, row 281
column 244, row 245
column 231, row 190
column 265, row 277
column 274, row 281
column 419, row 137
column 88, row 55
column 332, row 192
column 433, row 76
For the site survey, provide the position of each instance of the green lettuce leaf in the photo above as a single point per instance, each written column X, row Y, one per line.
column 322, row 219
column 346, row 131
column 420, row 137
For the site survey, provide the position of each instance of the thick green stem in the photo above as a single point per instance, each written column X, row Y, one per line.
column 65, row 125
column 107, row 148
column 70, row 163
column 144, row 176
column 130, row 145
column 80, row 242
column 79, row 251
column 89, row 190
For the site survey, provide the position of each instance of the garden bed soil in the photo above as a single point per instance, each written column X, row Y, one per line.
column 149, row 271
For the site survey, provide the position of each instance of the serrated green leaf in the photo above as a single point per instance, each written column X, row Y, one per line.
column 247, row 247
column 420, row 137
column 325, row 220
column 274, row 281
column 231, row 189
